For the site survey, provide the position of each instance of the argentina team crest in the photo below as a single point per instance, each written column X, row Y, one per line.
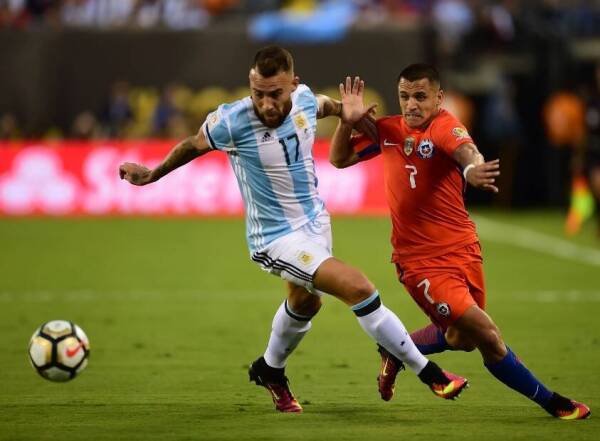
column 409, row 145
column 425, row 149
column 305, row 257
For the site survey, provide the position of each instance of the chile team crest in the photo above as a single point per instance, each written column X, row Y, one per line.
column 443, row 309
column 425, row 149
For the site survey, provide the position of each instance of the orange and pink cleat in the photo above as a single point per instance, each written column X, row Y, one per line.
column 442, row 383
column 276, row 383
column 566, row 409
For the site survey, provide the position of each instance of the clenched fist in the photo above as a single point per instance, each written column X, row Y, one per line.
column 136, row 174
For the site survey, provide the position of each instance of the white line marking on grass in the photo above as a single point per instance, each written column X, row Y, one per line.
column 557, row 296
column 83, row 295
column 88, row 295
column 532, row 240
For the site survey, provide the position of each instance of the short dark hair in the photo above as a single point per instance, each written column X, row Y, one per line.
column 271, row 60
column 419, row 71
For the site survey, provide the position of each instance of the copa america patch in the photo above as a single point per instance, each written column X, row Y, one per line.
column 409, row 145
column 460, row 133
column 425, row 149
column 443, row 309
column 300, row 121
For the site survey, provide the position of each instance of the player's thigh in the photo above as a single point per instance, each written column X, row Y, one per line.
column 479, row 327
column 474, row 321
column 343, row 281
column 444, row 297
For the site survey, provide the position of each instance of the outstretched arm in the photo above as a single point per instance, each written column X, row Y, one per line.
column 327, row 106
column 477, row 172
column 341, row 153
column 188, row 149
column 354, row 114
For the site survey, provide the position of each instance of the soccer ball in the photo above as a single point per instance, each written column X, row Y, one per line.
column 59, row 350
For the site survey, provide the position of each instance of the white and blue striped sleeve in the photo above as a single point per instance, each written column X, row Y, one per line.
column 307, row 99
column 216, row 130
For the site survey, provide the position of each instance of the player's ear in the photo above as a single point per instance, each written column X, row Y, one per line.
column 251, row 76
column 440, row 97
column 295, row 83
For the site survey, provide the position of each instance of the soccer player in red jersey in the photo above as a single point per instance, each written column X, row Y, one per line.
column 429, row 158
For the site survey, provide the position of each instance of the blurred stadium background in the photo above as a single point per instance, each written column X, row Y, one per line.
column 148, row 272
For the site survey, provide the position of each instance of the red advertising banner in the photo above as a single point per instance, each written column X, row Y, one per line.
column 81, row 178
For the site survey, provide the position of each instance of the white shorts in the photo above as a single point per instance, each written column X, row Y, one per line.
column 296, row 256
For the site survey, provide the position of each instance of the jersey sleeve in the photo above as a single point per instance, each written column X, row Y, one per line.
column 216, row 130
column 449, row 134
column 306, row 98
column 364, row 147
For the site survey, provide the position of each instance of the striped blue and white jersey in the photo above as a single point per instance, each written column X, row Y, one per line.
column 274, row 167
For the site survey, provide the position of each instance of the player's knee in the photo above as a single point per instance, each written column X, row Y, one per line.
column 458, row 342
column 303, row 302
column 463, row 345
column 490, row 339
column 467, row 347
column 308, row 305
column 360, row 289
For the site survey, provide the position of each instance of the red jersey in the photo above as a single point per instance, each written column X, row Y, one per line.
column 424, row 185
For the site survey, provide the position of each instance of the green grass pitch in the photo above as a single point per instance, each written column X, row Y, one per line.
column 175, row 311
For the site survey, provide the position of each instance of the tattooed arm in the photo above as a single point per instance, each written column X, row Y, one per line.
column 188, row 149
column 328, row 106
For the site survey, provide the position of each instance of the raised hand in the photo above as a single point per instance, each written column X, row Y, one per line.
column 136, row 174
column 484, row 175
column 353, row 107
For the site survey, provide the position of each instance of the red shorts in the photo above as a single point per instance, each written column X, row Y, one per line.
column 446, row 286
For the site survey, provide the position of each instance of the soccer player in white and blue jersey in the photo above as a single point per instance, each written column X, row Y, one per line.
column 269, row 138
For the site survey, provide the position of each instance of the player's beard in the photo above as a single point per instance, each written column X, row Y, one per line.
column 272, row 122
column 276, row 120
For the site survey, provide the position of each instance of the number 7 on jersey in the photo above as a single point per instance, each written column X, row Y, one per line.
column 413, row 173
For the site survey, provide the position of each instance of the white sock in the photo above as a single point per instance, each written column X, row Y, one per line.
column 287, row 330
column 386, row 329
